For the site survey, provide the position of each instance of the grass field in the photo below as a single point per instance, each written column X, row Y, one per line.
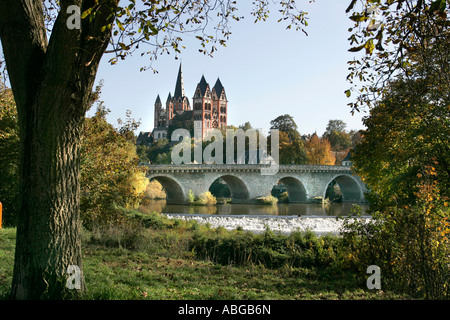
column 162, row 259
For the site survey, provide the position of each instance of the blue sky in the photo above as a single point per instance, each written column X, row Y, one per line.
column 266, row 70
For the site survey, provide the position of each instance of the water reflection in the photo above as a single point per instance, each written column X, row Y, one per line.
column 289, row 209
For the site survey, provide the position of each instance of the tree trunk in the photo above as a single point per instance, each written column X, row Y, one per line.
column 48, row 228
column 52, row 83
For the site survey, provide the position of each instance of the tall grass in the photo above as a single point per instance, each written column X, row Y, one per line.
column 153, row 232
column 299, row 249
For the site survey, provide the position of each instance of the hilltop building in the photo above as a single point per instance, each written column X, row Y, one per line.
column 210, row 107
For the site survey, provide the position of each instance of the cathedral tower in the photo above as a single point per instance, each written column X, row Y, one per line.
column 209, row 107
column 220, row 105
column 179, row 99
column 202, row 106
column 158, row 109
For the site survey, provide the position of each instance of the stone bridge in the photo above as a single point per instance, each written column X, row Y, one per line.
column 246, row 181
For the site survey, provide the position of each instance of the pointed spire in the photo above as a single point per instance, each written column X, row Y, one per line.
column 179, row 87
column 218, row 87
column 158, row 100
column 203, row 85
column 169, row 97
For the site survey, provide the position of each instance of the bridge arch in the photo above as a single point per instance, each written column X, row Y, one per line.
column 295, row 189
column 350, row 187
column 174, row 190
column 237, row 186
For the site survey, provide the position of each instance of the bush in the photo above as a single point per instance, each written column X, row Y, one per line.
column 205, row 199
column 110, row 173
column 284, row 197
column 299, row 249
column 410, row 245
column 153, row 220
column 155, row 190
column 268, row 200
column 126, row 236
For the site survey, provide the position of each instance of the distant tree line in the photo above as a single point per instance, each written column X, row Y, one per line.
column 329, row 149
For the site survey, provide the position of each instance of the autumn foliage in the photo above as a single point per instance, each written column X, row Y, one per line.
column 110, row 173
column 319, row 151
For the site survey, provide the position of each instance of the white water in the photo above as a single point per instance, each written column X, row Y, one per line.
column 283, row 224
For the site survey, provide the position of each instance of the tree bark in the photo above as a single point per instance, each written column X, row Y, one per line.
column 52, row 83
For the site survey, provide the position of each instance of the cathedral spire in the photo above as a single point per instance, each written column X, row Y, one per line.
column 158, row 100
column 179, row 87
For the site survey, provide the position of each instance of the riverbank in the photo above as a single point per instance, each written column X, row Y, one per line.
column 320, row 225
column 180, row 260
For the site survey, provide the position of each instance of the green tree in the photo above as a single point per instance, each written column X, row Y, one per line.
column 389, row 33
column 356, row 136
column 9, row 156
column 406, row 132
column 335, row 125
column 184, row 121
column 159, row 152
column 110, row 173
column 246, row 126
column 292, row 149
column 52, row 61
column 338, row 136
column 286, row 124
column 143, row 153
column 339, row 139
column 403, row 157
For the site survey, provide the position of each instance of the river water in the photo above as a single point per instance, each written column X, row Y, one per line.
column 281, row 209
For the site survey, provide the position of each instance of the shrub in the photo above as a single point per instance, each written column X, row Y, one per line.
column 155, row 190
column 126, row 235
column 205, row 199
column 284, row 197
column 152, row 220
column 299, row 249
column 410, row 245
column 191, row 198
column 268, row 200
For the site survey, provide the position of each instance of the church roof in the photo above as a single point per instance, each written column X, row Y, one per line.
column 169, row 98
column 203, row 85
column 179, row 87
column 218, row 87
column 158, row 100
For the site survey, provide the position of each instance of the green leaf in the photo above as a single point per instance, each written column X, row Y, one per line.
column 123, row 46
column 350, row 7
column 356, row 49
column 369, row 46
column 438, row 5
column 348, row 93
column 358, row 18
column 119, row 24
column 86, row 13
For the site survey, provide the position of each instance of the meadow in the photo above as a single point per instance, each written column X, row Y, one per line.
column 151, row 257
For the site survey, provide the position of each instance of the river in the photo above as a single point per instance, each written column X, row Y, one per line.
column 281, row 209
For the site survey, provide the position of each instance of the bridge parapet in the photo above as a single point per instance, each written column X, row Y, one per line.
column 255, row 168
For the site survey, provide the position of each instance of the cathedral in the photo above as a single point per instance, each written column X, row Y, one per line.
column 209, row 109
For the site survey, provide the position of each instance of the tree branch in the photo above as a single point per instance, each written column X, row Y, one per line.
column 24, row 49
